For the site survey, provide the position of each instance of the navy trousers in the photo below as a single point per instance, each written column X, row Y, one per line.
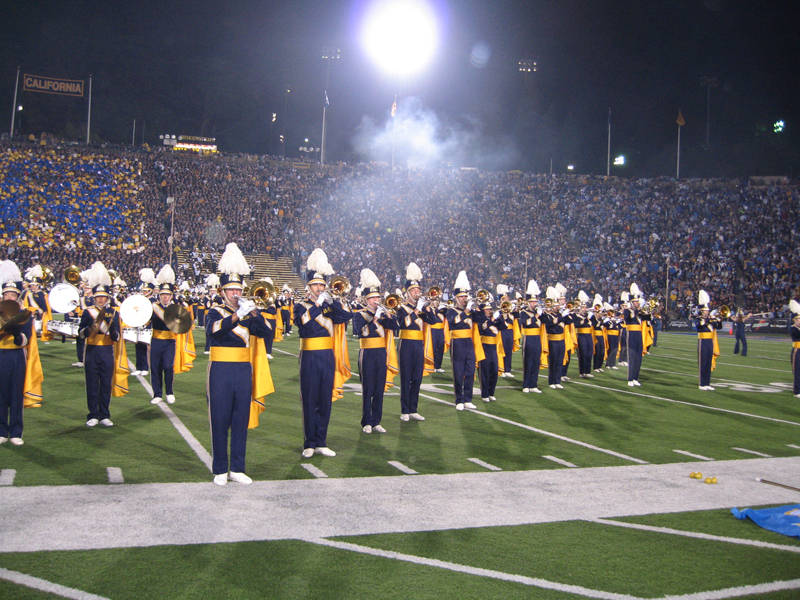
column 372, row 371
column 162, row 360
column 462, row 357
column 98, row 366
column 12, row 366
column 230, row 386
column 411, row 360
column 317, row 368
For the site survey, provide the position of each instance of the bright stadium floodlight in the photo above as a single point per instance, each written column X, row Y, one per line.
column 400, row 35
column 620, row 160
column 777, row 128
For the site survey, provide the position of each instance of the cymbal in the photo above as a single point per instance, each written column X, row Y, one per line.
column 177, row 319
column 12, row 314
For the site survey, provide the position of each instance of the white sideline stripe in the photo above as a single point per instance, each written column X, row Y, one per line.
column 753, row 452
column 793, row 446
column 440, row 564
column 738, row 592
column 485, row 465
column 401, row 467
column 561, row 461
column 700, row 536
column 315, row 471
column 542, row 431
column 46, row 586
column 697, row 456
column 196, row 446
column 115, row 475
column 684, row 402
column 7, row 476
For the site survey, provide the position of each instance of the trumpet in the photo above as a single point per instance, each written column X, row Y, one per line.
column 340, row 286
column 481, row 296
column 262, row 293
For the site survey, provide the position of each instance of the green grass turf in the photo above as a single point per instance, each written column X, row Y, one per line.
column 638, row 422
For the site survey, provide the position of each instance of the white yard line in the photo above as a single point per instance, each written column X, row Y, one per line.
column 440, row 564
column 725, row 410
column 561, row 461
column 542, row 431
column 315, row 471
column 7, row 476
column 46, row 586
column 700, row 536
column 401, row 467
column 761, row 454
column 697, row 456
column 187, row 435
column 115, row 475
column 483, row 464
column 722, row 364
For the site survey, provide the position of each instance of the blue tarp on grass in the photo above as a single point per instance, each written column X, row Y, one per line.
column 781, row 519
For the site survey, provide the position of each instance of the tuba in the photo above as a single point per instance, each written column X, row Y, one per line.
column 72, row 275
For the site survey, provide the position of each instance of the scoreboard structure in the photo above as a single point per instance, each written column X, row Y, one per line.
column 190, row 143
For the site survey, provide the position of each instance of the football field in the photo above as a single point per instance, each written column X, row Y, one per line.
column 580, row 492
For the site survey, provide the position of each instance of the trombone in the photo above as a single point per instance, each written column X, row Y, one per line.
column 434, row 294
column 340, row 286
column 262, row 293
column 391, row 303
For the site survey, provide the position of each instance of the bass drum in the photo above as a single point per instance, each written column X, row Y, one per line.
column 136, row 310
column 63, row 298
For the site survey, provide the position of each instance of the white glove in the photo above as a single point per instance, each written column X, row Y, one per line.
column 496, row 315
column 380, row 311
column 565, row 312
column 324, row 298
column 607, row 321
column 421, row 304
column 470, row 304
column 245, row 307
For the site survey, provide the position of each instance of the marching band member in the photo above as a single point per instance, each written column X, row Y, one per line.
column 570, row 341
column 489, row 327
column 35, row 300
column 213, row 299
column 237, row 379
column 555, row 322
column 634, row 320
column 373, row 326
column 612, row 329
column 794, row 331
column 13, row 359
column 270, row 314
column 162, row 344
column 506, row 334
column 531, row 325
column 600, row 335
column 739, row 320
column 147, row 287
column 316, row 318
column 463, row 356
column 286, row 306
column 100, row 327
column 624, row 303
column 411, row 350
column 707, row 345
column 438, row 336
column 585, row 331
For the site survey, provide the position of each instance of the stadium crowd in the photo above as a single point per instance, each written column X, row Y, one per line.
column 71, row 205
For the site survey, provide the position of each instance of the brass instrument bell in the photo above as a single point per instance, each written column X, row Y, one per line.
column 72, row 275
column 391, row 303
column 340, row 286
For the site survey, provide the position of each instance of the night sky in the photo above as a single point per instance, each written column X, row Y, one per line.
column 221, row 69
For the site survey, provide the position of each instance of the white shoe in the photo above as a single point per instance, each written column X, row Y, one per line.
column 308, row 452
column 92, row 422
column 708, row 387
column 404, row 417
column 559, row 386
column 239, row 478
column 565, row 378
column 379, row 429
column 3, row 440
column 367, row 429
column 269, row 356
column 416, row 417
column 526, row 390
column 440, row 370
column 536, row 390
column 553, row 385
column 324, row 451
column 631, row 384
column 460, row 406
column 145, row 373
column 170, row 399
column 508, row 374
column 589, row 376
column 469, row 405
column 135, row 373
column 207, row 352
column 486, row 399
column 797, row 395
column 77, row 364
column 492, row 398
column 221, row 479
column 636, row 383
column 16, row 441
column 106, row 422
column 155, row 400
column 583, row 376
column 615, row 367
